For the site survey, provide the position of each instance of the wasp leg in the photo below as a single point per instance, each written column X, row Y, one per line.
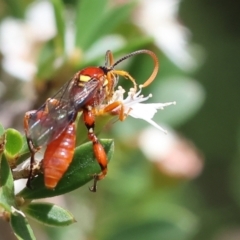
column 30, row 175
column 99, row 152
column 32, row 162
column 32, row 149
column 115, row 108
column 125, row 75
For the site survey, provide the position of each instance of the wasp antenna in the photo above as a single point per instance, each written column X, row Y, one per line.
column 154, row 57
column 109, row 60
column 155, row 69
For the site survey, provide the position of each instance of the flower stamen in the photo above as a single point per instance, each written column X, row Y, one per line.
column 133, row 105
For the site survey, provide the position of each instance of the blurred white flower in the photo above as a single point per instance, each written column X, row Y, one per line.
column 174, row 156
column 20, row 40
column 40, row 18
column 159, row 18
column 133, row 105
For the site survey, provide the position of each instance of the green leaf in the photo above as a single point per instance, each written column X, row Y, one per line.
column 111, row 20
column 16, row 7
column 79, row 173
column 13, row 146
column 46, row 60
column 24, row 154
column 7, row 186
column 60, row 22
column 105, row 24
column 20, row 226
column 88, row 15
column 49, row 214
column 14, row 142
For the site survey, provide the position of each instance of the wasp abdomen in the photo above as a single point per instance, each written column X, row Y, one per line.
column 58, row 156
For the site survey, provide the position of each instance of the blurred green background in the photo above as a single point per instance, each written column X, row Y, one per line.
column 184, row 185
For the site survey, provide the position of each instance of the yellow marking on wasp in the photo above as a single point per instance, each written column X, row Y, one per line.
column 84, row 78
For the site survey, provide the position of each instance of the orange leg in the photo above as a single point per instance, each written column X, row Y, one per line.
column 115, row 108
column 124, row 74
column 99, row 152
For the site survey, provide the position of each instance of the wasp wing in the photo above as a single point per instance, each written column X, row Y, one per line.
column 53, row 117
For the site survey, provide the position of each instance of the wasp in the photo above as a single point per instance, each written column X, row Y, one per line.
column 53, row 124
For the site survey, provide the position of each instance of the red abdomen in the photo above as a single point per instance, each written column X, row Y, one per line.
column 58, row 156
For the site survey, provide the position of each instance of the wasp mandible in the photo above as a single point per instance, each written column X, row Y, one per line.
column 52, row 125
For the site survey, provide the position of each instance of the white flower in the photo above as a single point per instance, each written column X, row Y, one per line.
column 133, row 105
column 159, row 18
column 20, row 40
column 173, row 155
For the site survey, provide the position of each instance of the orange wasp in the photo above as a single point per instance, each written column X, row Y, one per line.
column 52, row 125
